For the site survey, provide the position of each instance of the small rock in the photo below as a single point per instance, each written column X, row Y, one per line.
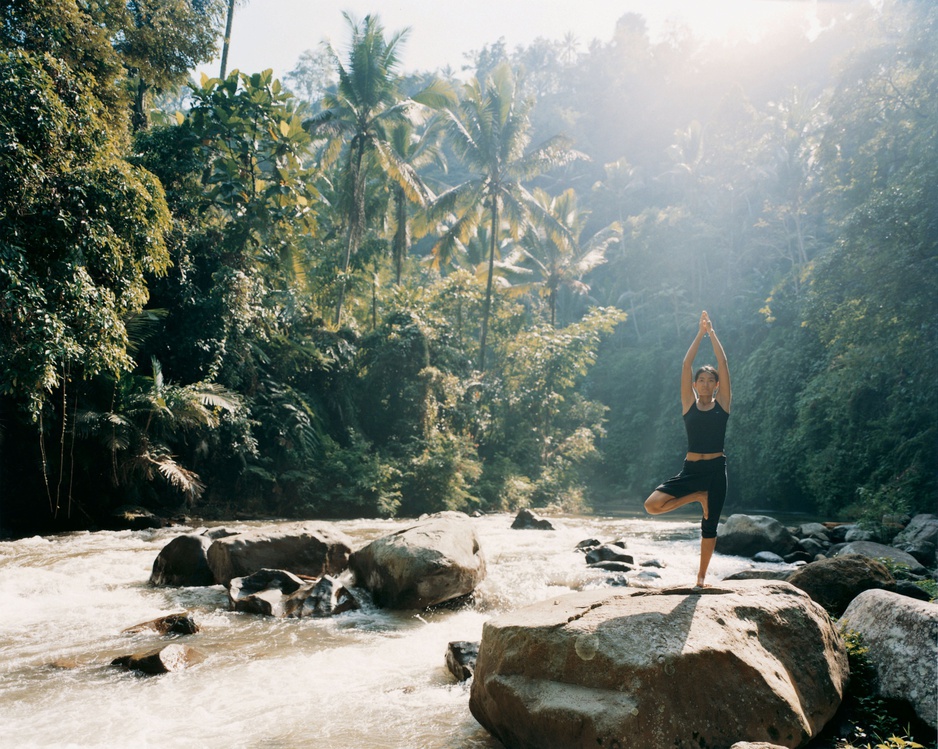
column 132, row 518
column 859, row 534
column 327, row 597
column 648, row 575
column 611, row 566
column 173, row 657
column 759, row 575
column 814, row 530
column 812, row 546
column 528, row 520
column 588, row 544
column 172, row 624
column 608, row 553
column 266, row 592
column 910, row 589
column 799, row 556
column 769, row 557
column 461, row 659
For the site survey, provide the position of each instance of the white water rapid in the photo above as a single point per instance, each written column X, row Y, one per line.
column 369, row 678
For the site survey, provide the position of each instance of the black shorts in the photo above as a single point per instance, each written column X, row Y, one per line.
column 701, row 476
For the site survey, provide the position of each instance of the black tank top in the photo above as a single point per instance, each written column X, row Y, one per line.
column 706, row 430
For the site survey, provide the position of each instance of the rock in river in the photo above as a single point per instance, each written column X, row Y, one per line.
column 436, row 560
column 312, row 549
column 661, row 669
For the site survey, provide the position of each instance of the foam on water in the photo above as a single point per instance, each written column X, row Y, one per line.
column 366, row 678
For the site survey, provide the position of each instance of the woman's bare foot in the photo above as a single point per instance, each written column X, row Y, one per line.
column 701, row 584
column 705, row 505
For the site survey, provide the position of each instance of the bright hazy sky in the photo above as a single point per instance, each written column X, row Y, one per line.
column 274, row 33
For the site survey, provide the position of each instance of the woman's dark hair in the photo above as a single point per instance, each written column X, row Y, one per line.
column 707, row 368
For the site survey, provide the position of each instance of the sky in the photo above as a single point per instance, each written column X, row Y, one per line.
column 274, row 33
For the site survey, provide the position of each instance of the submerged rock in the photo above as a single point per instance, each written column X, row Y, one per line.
column 132, row 518
column 312, row 549
column 901, row 637
column 675, row 668
column 529, row 520
column 266, row 592
column 173, row 657
column 326, row 597
column 171, row 624
column 437, row 560
column 280, row 593
column 609, row 553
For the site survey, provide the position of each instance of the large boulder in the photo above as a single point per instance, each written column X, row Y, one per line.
column 436, row 560
column 920, row 539
column 677, row 668
column 184, row 562
column 747, row 535
column 312, row 549
column 834, row 583
column 901, row 635
column 874, row 550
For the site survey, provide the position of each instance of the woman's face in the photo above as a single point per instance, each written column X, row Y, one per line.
column 706, row 384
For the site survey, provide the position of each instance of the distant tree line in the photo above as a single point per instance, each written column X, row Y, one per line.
column 368, row 293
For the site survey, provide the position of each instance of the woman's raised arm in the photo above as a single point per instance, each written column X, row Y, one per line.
column 724, row 394
column 688, row 397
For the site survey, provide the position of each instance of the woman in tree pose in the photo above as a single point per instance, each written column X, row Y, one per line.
column 705, row 397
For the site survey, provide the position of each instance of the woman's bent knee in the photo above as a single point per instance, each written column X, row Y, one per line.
column 653, row 504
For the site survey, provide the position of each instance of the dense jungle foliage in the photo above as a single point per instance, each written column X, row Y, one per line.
column 361, row 291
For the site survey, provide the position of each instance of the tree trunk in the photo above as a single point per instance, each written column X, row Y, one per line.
column 486, row 309
column 356, row 220
column 138, row 118
column 224, row 49
column 400, row 236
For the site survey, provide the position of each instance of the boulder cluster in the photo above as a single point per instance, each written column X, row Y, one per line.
column 756, row 660
column 759, row 656
column 308, row 570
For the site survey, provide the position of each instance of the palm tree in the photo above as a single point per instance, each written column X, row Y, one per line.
column 418, row 149
column 368, row 101
column 490, row 130
column 148, row 414
column 229, row 17
column 560, row 260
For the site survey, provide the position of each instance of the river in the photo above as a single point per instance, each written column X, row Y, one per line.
column 369, row 678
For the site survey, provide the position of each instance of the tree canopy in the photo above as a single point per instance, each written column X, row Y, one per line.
column 375, row 293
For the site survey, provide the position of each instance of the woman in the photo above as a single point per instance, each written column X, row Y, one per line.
column 705, row 397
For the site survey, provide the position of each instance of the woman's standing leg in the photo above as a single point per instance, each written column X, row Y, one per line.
column 708, row 526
